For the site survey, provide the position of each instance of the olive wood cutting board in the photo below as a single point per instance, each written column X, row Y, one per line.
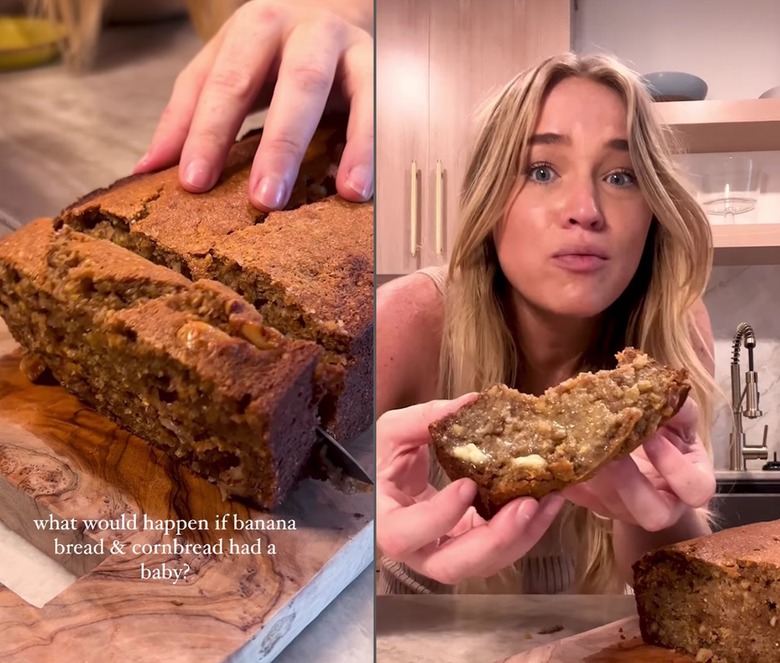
column 616, row 642
column 60, row 460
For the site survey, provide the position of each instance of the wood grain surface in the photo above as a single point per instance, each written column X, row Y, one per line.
column 617, row 642
column 59, row 459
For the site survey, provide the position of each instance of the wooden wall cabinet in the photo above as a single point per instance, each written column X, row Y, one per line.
column 436, row 61
column 402, row 81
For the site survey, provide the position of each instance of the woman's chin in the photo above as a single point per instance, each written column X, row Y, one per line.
column 577, row 309
column 566, row 302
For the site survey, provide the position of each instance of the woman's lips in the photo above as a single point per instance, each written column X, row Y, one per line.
column 579, row 262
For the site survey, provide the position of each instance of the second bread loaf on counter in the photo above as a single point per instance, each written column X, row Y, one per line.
column 308, row 270
column 190, row 367
column 716, row 597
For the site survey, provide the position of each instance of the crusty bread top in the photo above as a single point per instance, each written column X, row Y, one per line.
column 144, row 197
column 188, row 224
column 321, row 252
column 755, row 543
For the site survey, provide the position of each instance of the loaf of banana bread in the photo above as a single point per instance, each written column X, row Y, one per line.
column 309, row 269
column 153, row 216
column 514, row 444
column 190, row 367
column 715, row 597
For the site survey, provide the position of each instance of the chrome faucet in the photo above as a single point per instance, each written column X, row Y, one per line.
column 741, row 452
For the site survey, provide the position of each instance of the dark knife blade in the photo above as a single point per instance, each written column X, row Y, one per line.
column 342, row 459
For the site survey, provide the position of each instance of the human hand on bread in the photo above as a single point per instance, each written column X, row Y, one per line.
column 439, row 533
column 313, row 56
column 656, row 484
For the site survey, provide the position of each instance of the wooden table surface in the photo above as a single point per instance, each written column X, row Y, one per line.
column 454, row 628
column 62, row 136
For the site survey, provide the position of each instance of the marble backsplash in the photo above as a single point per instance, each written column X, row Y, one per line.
column 746, row 294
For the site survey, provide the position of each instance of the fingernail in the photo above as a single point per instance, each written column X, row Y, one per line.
column 526, row 510
column 361, row 181
column 466, row 490
column 271, row 192
column 197, row 174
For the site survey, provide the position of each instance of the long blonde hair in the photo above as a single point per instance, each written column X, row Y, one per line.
column 654, row 313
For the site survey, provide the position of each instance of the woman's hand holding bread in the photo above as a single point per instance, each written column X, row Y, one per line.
column 653, row 487
column 439, row 533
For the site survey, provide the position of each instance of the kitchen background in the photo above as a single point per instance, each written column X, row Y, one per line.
column 437, row 58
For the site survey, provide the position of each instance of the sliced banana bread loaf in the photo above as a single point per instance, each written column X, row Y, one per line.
column 514, row 444
column 309, row 270
column 153, row 216
column 715, row 597
column 187, row 366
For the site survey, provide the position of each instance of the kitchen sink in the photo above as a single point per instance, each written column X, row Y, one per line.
column 739, row 501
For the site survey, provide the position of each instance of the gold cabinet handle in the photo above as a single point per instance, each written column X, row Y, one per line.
column 413, row 216
column 439, row 209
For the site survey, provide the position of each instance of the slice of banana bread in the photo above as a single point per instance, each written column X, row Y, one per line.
column 308, row 269
column 187, row 366
column 513, row 444
column 715, row 597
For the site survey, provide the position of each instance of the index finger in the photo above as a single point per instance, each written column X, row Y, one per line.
column 407, row 428
column 690, row 475
column 171, row 132
column 486, row 549
column 684, row 423
column 239, row 69
column 404, row 528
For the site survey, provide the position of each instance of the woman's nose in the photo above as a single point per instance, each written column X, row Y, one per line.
column 582, row 206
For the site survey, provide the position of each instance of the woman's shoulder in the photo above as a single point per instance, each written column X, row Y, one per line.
column 409, row 322
column 411, row 304
column 421, row 290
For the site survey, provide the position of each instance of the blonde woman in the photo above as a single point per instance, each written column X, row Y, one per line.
column 577, row 239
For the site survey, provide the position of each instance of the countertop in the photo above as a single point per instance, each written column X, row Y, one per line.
column 482, row 629
column 62, row 136
column 744, row 475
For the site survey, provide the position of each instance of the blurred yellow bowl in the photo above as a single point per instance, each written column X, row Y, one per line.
column 27, row 42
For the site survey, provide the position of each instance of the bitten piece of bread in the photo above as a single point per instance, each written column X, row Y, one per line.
column 513, row 444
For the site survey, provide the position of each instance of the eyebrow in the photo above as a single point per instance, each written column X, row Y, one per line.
column 557, row 139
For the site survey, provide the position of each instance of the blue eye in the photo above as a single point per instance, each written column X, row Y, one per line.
column 541, row 174
column 621, row 178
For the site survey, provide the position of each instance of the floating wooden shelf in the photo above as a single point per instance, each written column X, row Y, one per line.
column 744, row 125
column 747, row 244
